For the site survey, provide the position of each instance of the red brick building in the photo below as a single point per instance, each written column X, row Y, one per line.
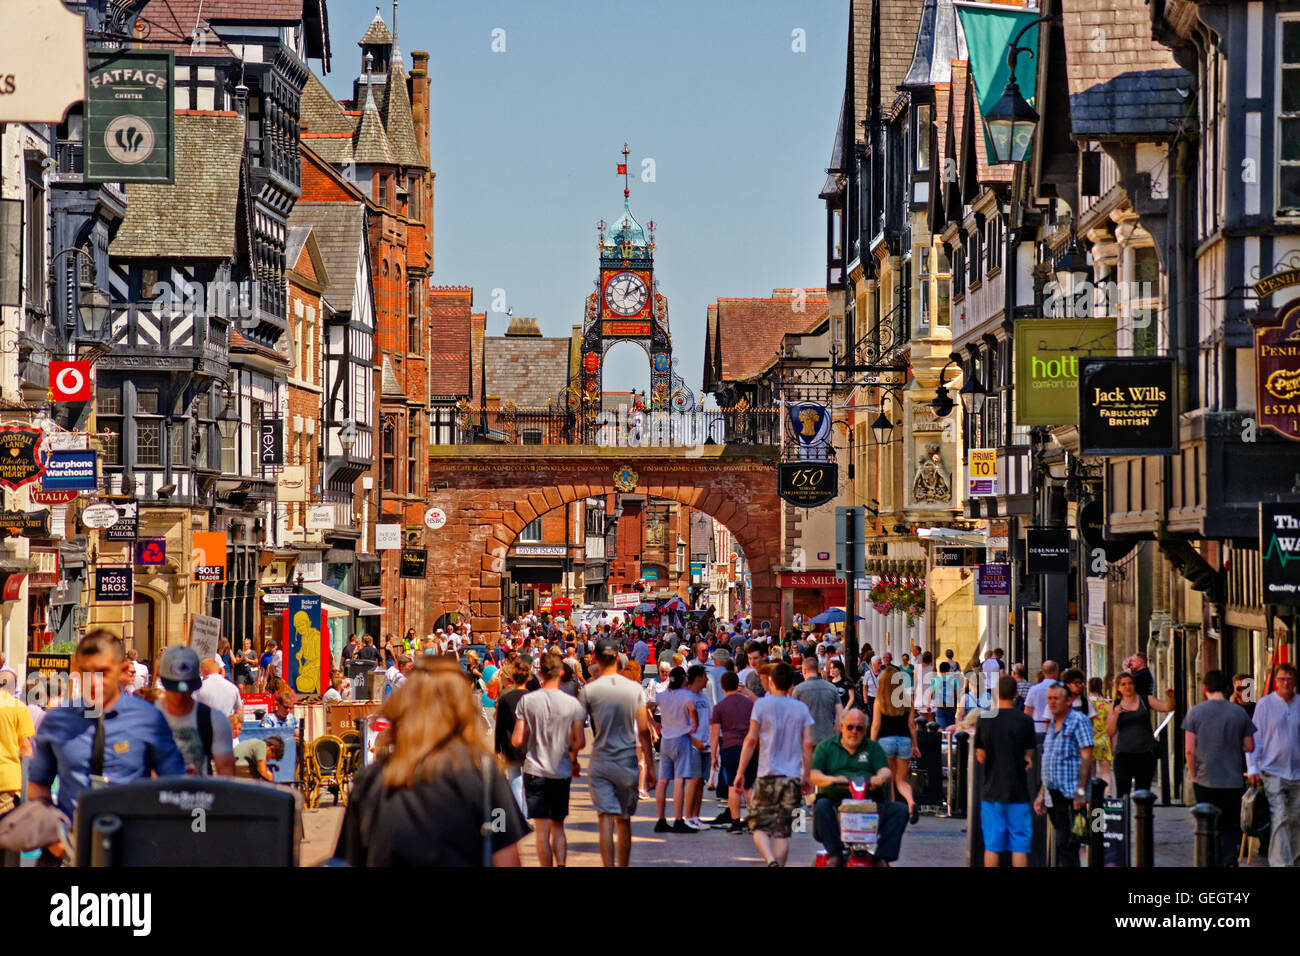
column 376, row 148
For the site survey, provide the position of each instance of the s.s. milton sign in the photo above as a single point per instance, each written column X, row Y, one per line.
column 1126, row 406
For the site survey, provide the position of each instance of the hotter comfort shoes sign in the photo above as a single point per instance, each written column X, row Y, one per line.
column 1047, row 365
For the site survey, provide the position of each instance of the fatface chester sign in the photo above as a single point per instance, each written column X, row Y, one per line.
column 129, row 117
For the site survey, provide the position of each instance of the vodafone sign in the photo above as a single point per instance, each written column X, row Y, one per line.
column 70, row 381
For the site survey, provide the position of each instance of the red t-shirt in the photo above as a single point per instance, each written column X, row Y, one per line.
column 732, row 715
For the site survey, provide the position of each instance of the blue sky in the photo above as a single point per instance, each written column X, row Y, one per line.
column 526, row 143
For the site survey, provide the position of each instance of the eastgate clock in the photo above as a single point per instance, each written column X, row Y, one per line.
column 626, row 293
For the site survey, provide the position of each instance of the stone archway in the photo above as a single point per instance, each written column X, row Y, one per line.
column 493, row 492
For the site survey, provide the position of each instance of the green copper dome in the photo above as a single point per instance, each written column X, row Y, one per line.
column 626, row 230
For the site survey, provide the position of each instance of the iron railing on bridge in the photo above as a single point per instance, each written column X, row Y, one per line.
column 627, row 427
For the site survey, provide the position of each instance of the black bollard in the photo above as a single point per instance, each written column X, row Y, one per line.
column 1206, row 847
column 1144, row 827
column 963, row 757
column 1096, row 823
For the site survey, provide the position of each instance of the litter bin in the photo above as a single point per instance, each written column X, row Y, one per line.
column 359, row 673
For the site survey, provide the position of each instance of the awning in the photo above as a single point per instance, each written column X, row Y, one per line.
column 334, row 611
column 335, row 596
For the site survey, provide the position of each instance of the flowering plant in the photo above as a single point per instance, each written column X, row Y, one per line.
column 898, row 594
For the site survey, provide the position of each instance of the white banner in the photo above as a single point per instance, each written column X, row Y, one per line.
column 388, row 537
column 320, row 517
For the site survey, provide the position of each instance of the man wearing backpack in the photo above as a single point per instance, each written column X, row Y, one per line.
column 201, row 733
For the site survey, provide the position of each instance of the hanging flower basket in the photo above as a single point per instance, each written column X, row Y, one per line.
column 896, row 594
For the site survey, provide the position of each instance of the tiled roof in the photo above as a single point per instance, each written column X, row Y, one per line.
column 377, row 32
column 172, row 23
column 1128, row 87
column 449, row 340
column 320, row 112
column 899, row 20
column 527, row 371
column 240, row 343
column 389, row 378
column 957, row 102
column 749, row 331
column 295, row 242
column 860, row 49
column 195, row 216
column 832, row 184
column 371, row 147
column 339, row 228
column 398, row 123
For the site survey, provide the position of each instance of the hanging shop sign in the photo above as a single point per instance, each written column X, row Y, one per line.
column 70, row 381
column 992, row 585
column 71, row 471
column 1279, row 548
column 1126, row 406
column 208, row 559
column 291, row 483
column 1090, row 521
column 51, row 666
column 810, row 423
column 807, row 484
column 20, row 460
column 1047, row 365
column 151, row 552
column 1277, row 373
column 39, row 36
column 41, row 496
column 127, row 527
column 28, row 524
column 270, row 442
column 129, row 126
column 320, row 517
column 100, row 515
column 114, row 584
column 981, row 472
column 811, row 579
column 414, row 562
column 1048, row 551
column 435, row 518
column 1278, row 280
column 307, row 656
column 388, row 537
column 950, row 558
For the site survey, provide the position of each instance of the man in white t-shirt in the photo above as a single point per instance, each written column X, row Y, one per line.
column 395, row 676
column 780, row 727
column 1036, row 699
column 217, row 692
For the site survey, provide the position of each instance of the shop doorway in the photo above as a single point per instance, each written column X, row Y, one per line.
column 143, row 629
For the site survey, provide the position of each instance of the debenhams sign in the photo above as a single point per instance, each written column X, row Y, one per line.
column 42, row 47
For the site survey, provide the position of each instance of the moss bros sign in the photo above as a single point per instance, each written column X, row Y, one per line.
column 1126, row 406
column 129, row 117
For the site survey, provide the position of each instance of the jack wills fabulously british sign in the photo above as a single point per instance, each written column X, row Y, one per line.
column 1126, row 406
column 1279, row 549
column 1277, row 373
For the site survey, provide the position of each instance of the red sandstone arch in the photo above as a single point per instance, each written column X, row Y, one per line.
column 493, row 492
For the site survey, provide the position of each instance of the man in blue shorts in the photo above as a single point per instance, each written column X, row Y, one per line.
column 1004, row 744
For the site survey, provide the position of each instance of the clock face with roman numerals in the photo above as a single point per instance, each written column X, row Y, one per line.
column 626, row 293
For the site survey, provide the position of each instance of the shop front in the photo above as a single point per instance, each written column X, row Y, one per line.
column 806, row 594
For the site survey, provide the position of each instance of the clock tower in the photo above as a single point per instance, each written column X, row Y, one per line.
column 628, row 307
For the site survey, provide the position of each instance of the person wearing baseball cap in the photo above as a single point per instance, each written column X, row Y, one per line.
column 202, row 733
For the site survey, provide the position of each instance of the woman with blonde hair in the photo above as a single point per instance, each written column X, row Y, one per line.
column 894, row 729
column 433, row 795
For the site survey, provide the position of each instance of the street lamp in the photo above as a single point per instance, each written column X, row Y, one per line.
column 972, row 393
column 1072, row 262
column 1011, row 121
column 228, row 419
column 883, row 428
column 94, row 307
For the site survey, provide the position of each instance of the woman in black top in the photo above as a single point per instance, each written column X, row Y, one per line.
column 835, row 675
column 893, row 727
column 1133, row 745
column 426, row 798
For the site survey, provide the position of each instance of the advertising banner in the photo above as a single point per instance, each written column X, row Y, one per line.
column 1277, row 373
column 209, row 557
column 388, row 537
column 992, row 585
column 28, row 524
column 1047, row 365
column 205, row 635
column 1279, row 549
column 306, row 658
column 71, row 471
column 807, row 485
column 981, row 472
column 270, row 442
column 1048, row 551
column 20, row 461
column 114, row 584
column 1127, row 406
column 414, row 562
column 127, row 527
column 129, row 134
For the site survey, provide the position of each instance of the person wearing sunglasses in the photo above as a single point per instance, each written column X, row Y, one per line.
column 853, row 755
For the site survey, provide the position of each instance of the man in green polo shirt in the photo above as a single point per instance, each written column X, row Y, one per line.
column 853, row 755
